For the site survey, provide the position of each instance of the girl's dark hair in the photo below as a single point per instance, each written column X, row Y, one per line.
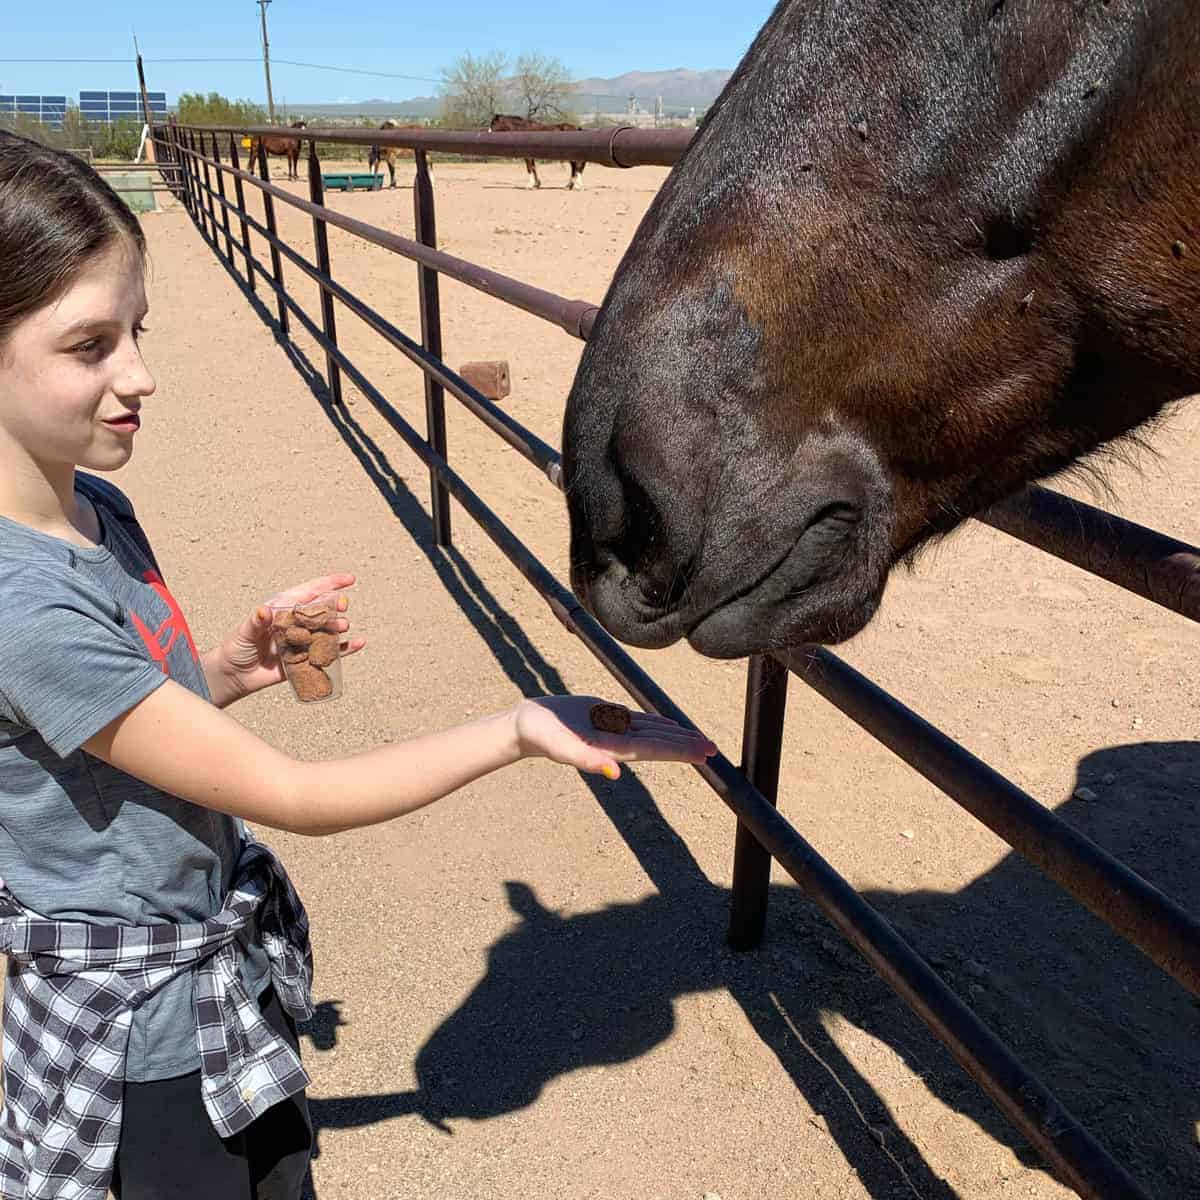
column 56, row 213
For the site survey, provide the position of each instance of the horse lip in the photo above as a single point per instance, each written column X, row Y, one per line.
column 742, row 593
column 641, row 624
column 650, row 628
column 634, row 622
column 751, row 597
column 741, row 596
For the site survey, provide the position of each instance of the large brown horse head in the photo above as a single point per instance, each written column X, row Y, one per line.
column 921, row 252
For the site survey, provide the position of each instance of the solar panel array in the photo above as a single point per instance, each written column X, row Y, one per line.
column 50, row 110
column 93, row 106
column 120, row 106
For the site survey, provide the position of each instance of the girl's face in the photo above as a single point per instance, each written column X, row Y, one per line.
column 72, row 377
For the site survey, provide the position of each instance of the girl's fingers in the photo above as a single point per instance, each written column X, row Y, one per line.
column 640, row 720
column 639, row 734
column 652, row 723
column 680, row 747
column 301, row 593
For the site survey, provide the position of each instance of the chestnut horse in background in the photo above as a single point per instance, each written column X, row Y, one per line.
column 505, row 123
column 389, row 154
column 288, row 147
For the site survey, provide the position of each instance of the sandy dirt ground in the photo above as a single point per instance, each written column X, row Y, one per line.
column 524, row 990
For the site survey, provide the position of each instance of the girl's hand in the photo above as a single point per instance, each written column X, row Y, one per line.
column 560, row 728
column 246, row 661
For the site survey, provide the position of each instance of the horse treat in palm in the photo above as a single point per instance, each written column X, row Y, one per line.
column 610, row 718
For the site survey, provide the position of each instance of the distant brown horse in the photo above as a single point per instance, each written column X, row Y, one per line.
column 389, row 154
column 504, row 123
column 287, row 146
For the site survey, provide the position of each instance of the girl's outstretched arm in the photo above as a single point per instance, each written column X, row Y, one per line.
column 181, row 744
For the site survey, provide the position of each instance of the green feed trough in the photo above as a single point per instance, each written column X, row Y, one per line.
column 342, row 182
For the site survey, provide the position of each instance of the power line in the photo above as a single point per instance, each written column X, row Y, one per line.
column 287, row 61
column 357, row 71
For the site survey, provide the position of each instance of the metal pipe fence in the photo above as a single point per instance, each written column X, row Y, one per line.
column 1147, row 563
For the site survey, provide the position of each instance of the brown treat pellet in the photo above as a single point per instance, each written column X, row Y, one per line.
column 311, row 683
column 610, row 718
column 297, row 635
column 282, row 618
column 323, row 650
column 295, row 654
column 312, row 616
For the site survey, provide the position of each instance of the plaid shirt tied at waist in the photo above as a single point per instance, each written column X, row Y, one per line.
column 71, row 989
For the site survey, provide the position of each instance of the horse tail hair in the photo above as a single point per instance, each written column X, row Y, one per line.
column 372, row 156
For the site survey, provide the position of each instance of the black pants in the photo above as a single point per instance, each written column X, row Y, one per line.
column 170, row 1151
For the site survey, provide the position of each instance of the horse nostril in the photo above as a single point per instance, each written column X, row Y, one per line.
column 663, row 587
column 1007, row 237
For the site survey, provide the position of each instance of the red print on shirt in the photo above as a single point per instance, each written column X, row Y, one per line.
column 159, row 643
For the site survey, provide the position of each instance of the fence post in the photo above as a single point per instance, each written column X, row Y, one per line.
column 168, row 163
column 162, row 153
column 197, row 191
column 762, row 745
column 181, row 179
column 189, row 165
column 221, row 189
column 240, row 191
column 425, row 221
column 177, row 159
column 316, row 193
column 212, row 208
column 276, row 262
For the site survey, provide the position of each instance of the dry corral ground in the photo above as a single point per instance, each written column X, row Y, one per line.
column 524, row 990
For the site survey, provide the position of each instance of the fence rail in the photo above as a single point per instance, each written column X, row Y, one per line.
column 1147, row 563
column 619, row 146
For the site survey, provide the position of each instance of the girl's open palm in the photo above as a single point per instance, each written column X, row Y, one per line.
column 560, row 728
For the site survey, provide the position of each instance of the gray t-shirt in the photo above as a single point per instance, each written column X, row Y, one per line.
column 84, row 635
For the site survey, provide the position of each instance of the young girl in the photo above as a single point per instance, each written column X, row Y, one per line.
column 157, row 953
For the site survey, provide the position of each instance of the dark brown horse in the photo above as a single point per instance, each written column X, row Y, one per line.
column 505, row 123
column 287, row 147
column 389, row 154
column 920, row 253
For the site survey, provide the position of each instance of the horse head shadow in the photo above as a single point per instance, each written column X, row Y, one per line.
column 1117, row 1040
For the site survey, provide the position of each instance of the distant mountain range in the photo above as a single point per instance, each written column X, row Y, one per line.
column 681, row 90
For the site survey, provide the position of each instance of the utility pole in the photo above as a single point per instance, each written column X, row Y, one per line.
column 262, row 4
column 149, row 116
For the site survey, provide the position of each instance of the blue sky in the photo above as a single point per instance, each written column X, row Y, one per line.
column 391, row 36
